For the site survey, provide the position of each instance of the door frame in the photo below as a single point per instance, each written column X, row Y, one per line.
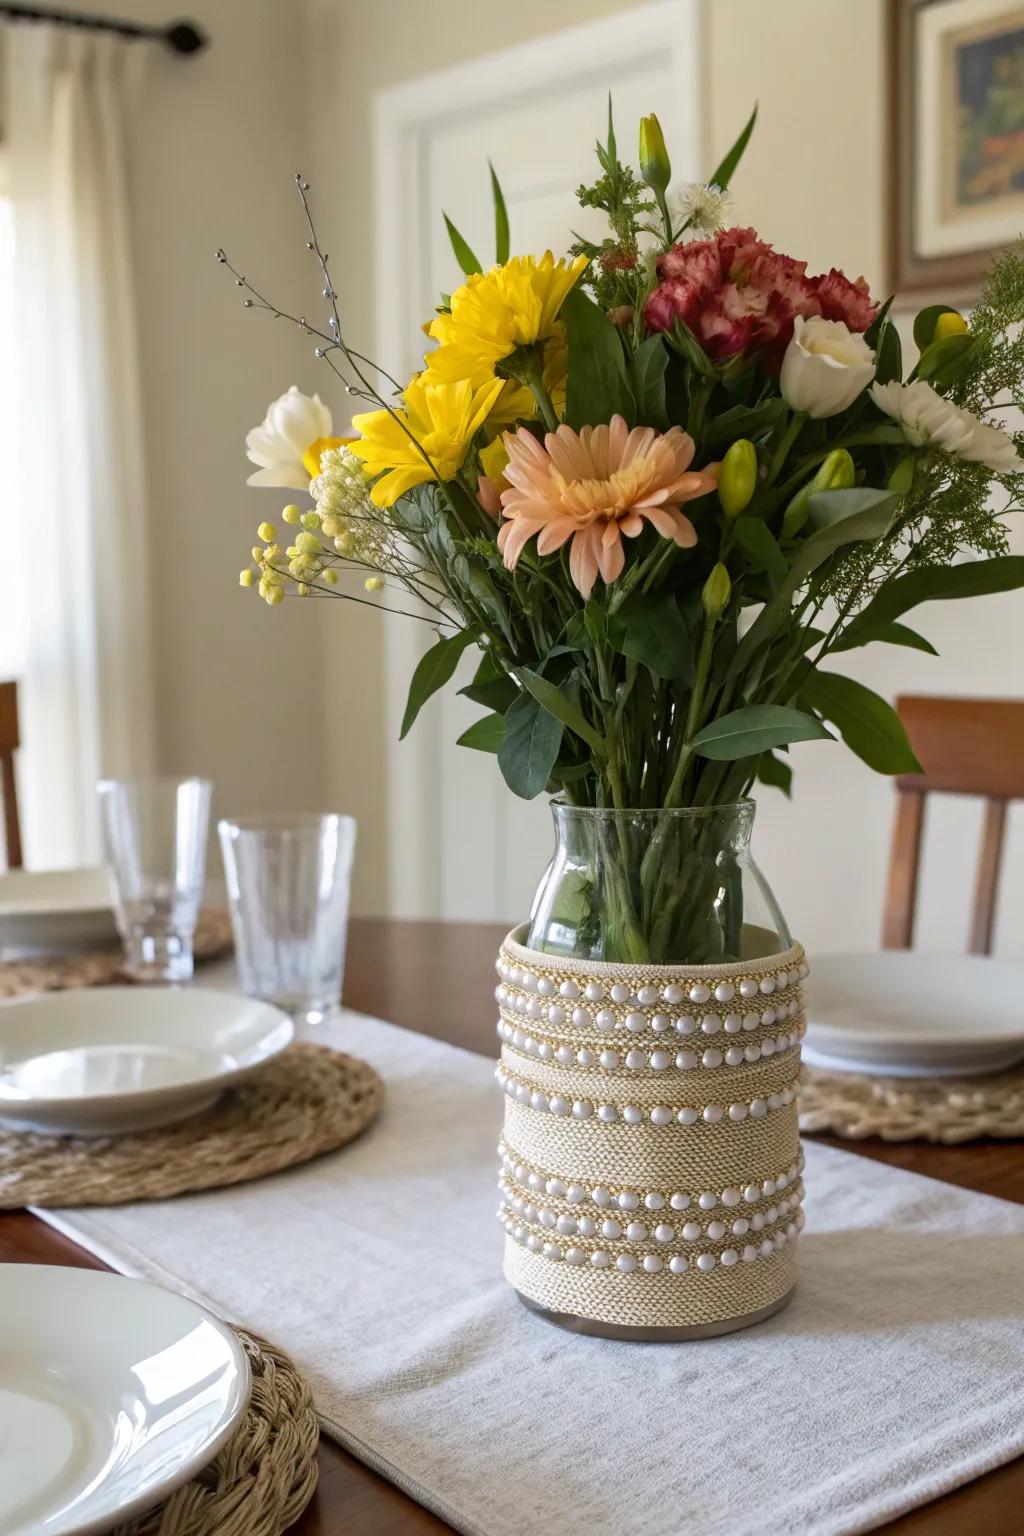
column 403, row 117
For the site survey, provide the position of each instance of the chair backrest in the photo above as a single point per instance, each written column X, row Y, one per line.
column 9, row 743
column 965, row 747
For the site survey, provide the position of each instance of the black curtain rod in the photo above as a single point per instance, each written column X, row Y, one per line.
column 182, row 37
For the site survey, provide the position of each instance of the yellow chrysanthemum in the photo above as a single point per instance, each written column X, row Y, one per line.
column 516, row 401
column 495, row 313
column 438, row 417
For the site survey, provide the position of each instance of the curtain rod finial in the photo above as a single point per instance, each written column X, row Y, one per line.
column 185, row 37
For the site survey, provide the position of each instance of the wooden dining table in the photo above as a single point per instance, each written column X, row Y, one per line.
column 437, row 978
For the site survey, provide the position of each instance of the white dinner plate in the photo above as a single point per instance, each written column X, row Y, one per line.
column 55, row 910
column 113, row 1392
column 98, row 1060
column 910, row 1014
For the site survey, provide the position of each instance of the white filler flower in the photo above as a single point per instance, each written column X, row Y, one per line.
column 288, row 444
column 825, row 368
column 707, row 208
column 926, row 417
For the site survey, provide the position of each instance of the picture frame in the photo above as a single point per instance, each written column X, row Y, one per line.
column 957, row 130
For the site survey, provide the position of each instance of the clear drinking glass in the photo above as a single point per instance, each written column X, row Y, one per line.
column 288, row 882
column 154, row 840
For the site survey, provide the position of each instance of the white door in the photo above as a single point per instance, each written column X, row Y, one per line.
column 460, row 844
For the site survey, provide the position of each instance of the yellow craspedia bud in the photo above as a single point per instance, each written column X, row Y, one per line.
column 302, row 589
column 330, row 526
column 246, row 577
column 737, row 479
column 257, row 553
column 373, row 583
column 308, row 543
column 950, row 323
column 266, row 532
column 330, row 576
column 292, row 551
column 290, row 513
column 272, row 552
column 300, row 567
column 310, row 520
column 716, row 591
column 274, row 594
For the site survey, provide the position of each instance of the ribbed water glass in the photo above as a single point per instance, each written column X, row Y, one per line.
column 288, row 883
column 154, row 841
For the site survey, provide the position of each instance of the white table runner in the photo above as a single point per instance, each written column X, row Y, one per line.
column 896, row 1373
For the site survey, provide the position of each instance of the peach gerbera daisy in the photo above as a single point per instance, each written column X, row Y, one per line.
column 594, row 486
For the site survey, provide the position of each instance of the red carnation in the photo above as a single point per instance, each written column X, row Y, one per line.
column 842, row 300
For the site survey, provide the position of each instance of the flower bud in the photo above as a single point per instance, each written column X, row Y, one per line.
column 291, row 513
column 307, row 543
column 302, row 589
column 274, row 594
column 716, row 591
column 310, row 520
column 266, row 532
column 374, row 583
column 257, row 553
column 654, row 162
column 246, row 577
column 272, row 552
column 837, row 473
column 902, row 478
column 737, row 479
column 330, row 576
column 950, row 323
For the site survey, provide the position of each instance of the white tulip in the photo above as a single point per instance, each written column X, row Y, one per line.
column 926, row 417
column 287, row 445
column 825, row 368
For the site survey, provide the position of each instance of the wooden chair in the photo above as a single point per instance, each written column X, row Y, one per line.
column 966, row 747
column 9, row 743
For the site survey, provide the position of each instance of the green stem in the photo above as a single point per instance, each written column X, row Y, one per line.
column 538, row 390
column 693, row 713
column 786, row 442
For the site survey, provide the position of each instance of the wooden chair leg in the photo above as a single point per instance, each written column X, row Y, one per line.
column 12, row 828
column 904, row 864
column 987, row 881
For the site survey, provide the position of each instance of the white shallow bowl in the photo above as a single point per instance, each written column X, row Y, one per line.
column 112, row 1393
column 55, row 910
column 907, row 1014
column 101, row 1060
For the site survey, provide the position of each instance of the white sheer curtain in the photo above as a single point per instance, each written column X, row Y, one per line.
column 79, row 525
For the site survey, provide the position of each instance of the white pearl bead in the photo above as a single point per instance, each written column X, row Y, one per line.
column 600, row 1260
column 782, row 979
column 593, row 992
column 533, row 1009
column 748, row 988
column 635, row 1059
column 752, row 1052
column 673, row 993
column 556, row 1015
column 544, row 1051
column 534, row 1181
column 775, row 1101
column 687, row 1024
column 687, row 1116
column 585, row 1057
column 729, row 1257
column 732, row 1023
column 564, row 1055
column 628, row 1201
column 711, row 1024
column 707, row 1201
column 555, row 1187
column 534, row 1243
column 545, row 986
column 664, row 1233
column 529, row 1213
column 705, row 1261
column 699, row 993
column 686, row 1060
column 518, row 1038
column 661, row 1059
column 610, row 1059
column 768, row 1016
column 552, row 1251
column 654, row 1202
column 576, row 1256
column 610, row 1228
column 521, row 1173
column 607, row 1113
column 771, row 1215
column 749, row 1254
column 725, row 992
column 652, row 1263
column 758, row 1108
column 734, row 1055
column 600, row 1195
column 605, row 1019
column 587, row 1226
column 756, row 1222
column 581, row 1018
column 547, row 1218
column 716, row 1229
column 768, row 1046
column 620, row 993
column 531, row 1046
column 529, row 981
column 636, row 1231
column 767, row 985
column 679, row 1202
column 569, row 989
column 632, row 1114
column 767, row 1247
column 712, row 1058
column 741, row 1226
column 691, row 1231
column 661, row 1115
column 582, row 1109
column 635, row 1022
column 731, row 1196
column 647, row 995
column 523, row 1094
column 751, row 1020
column 559, row 1106
column 626, row 1263
column 660, row 1023
column 713, row 1113
column 678, row 1265
column 575, row 1193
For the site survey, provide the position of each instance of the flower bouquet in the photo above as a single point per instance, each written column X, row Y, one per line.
column 658, row 485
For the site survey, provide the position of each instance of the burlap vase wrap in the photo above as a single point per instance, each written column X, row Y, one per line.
column 650, row 1159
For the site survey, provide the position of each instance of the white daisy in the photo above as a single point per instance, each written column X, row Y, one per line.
column 927, row 417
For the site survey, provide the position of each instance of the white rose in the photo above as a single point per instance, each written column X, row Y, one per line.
column 288, row 443
column 825, row 368
column 926, row 417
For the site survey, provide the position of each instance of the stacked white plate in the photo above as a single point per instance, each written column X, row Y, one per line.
column 55, row 911
column 112, row 1393
column 908, row 1014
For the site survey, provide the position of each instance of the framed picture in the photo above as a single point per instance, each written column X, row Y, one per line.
column 958, row 121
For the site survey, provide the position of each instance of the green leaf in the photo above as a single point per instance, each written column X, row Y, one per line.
column 874, row 330
column 892, row 634
column 925, row 322
column 723, row 173
column 827, row 509
column 598, row 384
column 942, row 359
column 761, row 548
column 745, row 421
column 463, row 255
column 869, row 726
column 501, row 234
column 888, row 354
column 771, row 770
column 530, row 749
column 558, row 704
column 433, row 670
column 931, row 583
column 648, row 381
column 755, row 729
column 648, row 627
column 492, row 687
column 485, row 735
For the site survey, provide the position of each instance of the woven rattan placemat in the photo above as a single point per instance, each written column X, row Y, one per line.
column 308, row 1101
column 102, row 968
column 262, row 1480
column 940, row 1109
